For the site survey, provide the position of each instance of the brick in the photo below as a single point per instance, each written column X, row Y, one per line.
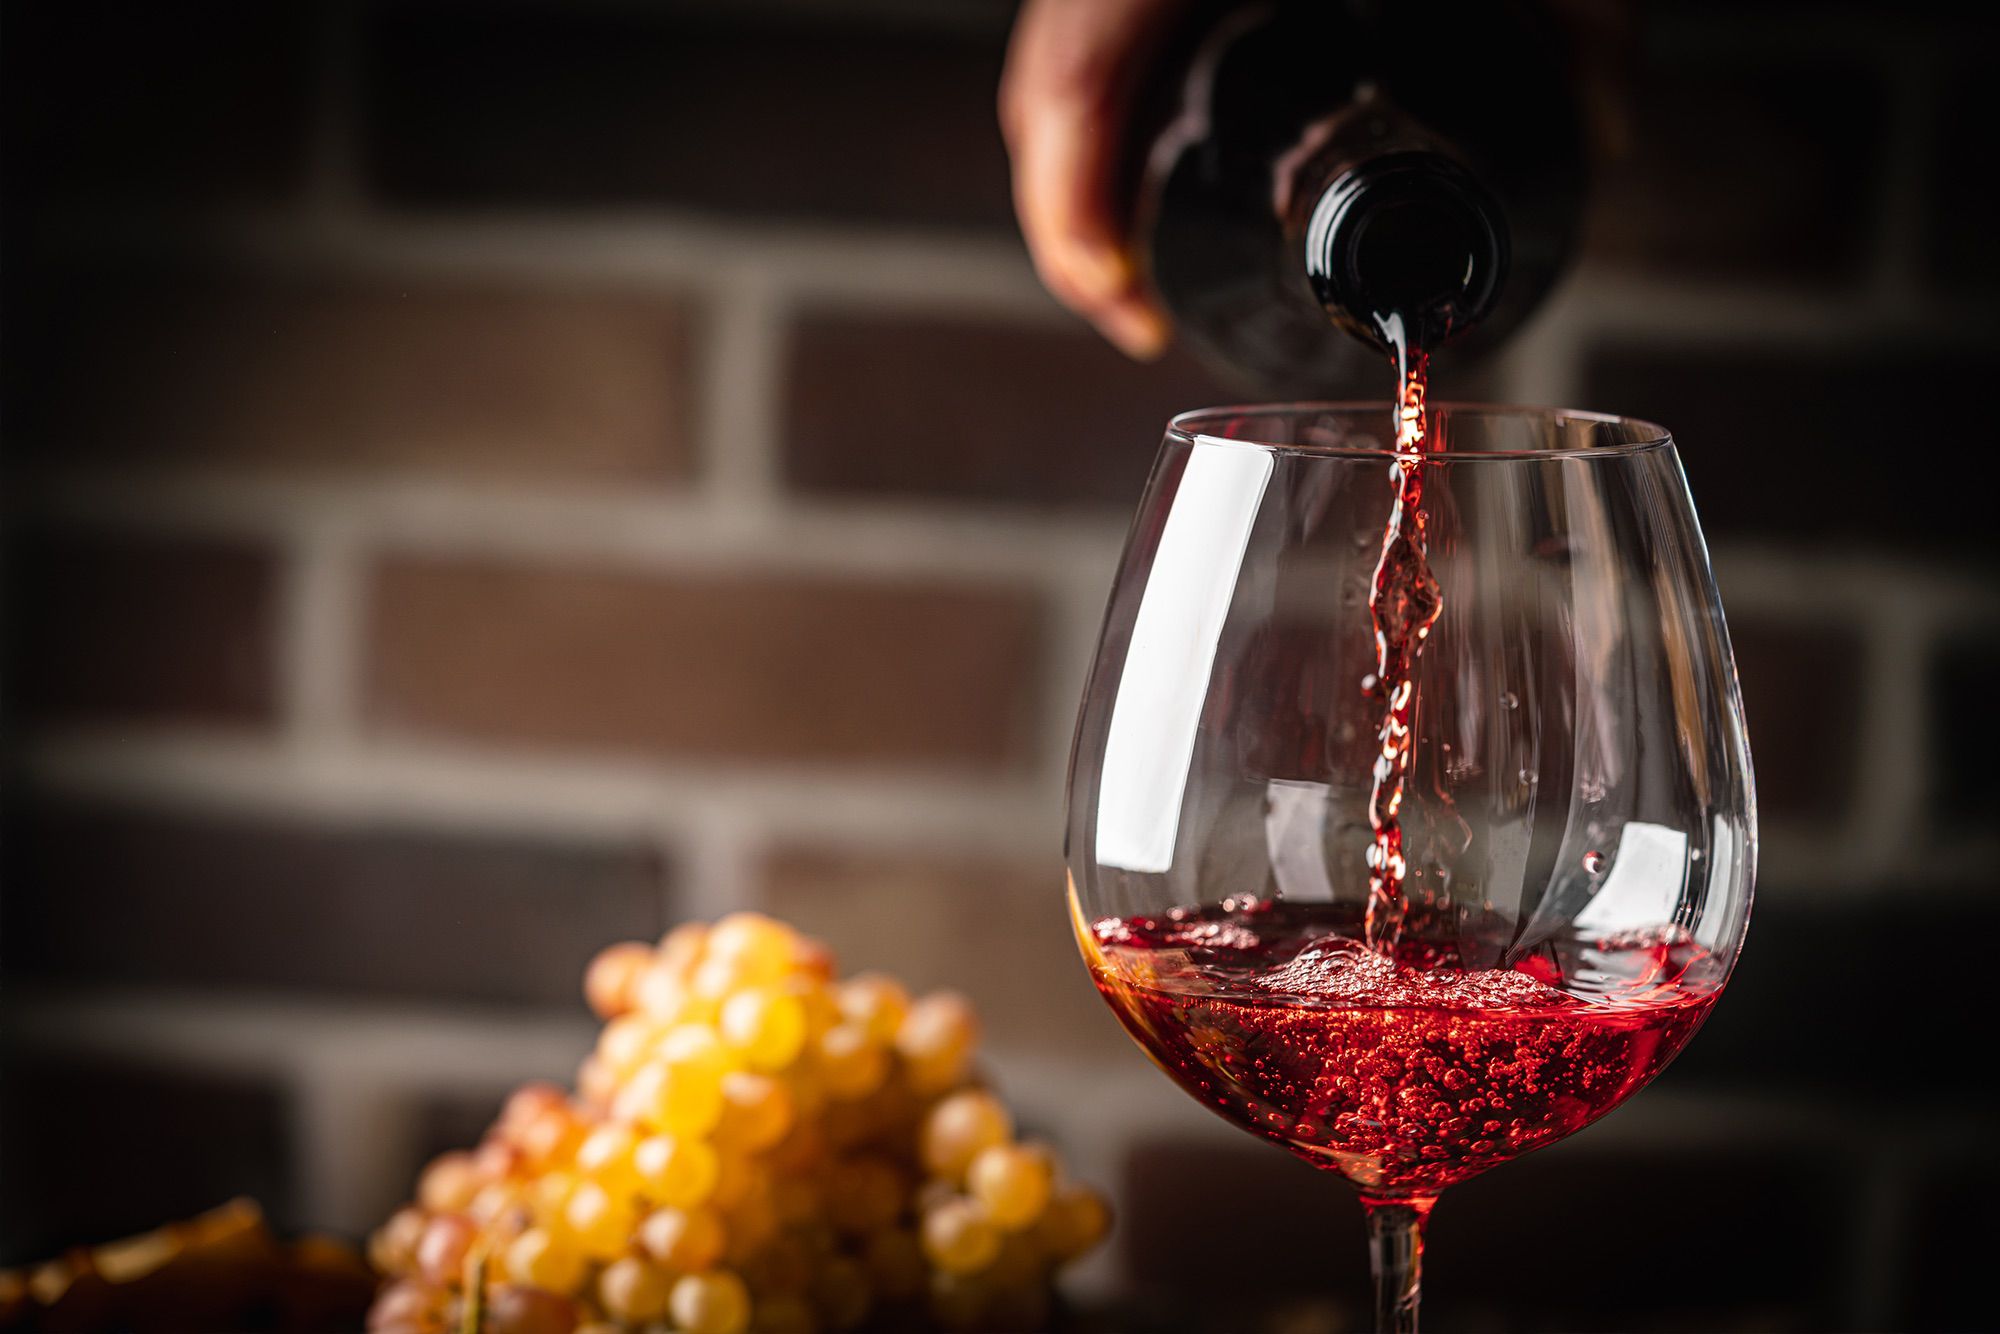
column 110, row 102
column 1809, row 446
column 994, row 928
column 95, row 1147
column 1745, row 168
column 1944, row 1252
column 1965, row 726
column 1959, row 246
column 141, row 629
column 947, row 408
column 1606, row 1277
column 769, row 115
column 1802, row 699
column 716, row 666
column 118, row 894
column 1853, row 1047
column 455, row 378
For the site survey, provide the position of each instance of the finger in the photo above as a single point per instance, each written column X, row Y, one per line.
column 1071, row 74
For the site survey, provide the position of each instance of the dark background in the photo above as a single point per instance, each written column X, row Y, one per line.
column 488, row 480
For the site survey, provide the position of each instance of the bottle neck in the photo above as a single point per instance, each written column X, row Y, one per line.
column 1399, row 241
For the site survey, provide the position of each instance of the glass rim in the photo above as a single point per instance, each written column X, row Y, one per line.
column 1186, row 427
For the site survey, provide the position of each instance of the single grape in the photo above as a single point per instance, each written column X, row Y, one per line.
column 513, row 1309
column 676, row 1171
column 959, row 1128
column 632, row 1289
column 543, row 1259
column 609, row 981
column 936, row 1039
column 768, row 1028
column 605, row 1156
column 1076, row 1220
column 392, row 1248
column 1012, row 1182
column 449, row 1183
column 761, row 948
column 715, row 1303
column 601, row 1221
column 852, row 1062
column 441, row 1251
column 687, row 1240
column 959, row 1238
column 757, row 1111
column 876, row 1002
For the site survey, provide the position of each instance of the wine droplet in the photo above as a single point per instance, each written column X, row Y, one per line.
column 1593, row 862
column 1509, row 700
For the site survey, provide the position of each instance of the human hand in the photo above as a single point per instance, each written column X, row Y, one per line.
column 1073, row 68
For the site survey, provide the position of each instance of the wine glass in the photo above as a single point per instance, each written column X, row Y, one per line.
column 1575, row 825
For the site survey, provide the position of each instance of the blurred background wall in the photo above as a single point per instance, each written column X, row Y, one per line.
column 489, row 480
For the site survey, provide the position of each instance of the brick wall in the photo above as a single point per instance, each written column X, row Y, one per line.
column 490, row 482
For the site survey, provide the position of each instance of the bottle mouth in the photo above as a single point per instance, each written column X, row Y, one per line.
column 1407, row 249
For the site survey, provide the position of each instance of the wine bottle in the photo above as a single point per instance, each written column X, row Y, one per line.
column 1401, row 173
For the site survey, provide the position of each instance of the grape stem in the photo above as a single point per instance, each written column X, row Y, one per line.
column 473, row 1318
column 1396, row 1257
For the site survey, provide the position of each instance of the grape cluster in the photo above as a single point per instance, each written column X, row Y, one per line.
column 754, row 1146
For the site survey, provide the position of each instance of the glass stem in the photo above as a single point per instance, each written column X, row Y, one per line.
column 1396, row 1255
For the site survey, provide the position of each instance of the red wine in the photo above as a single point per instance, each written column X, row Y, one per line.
column 1404, row 600
column 1407, row 1073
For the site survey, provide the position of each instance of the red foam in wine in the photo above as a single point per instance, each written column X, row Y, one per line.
column 1405, row 1072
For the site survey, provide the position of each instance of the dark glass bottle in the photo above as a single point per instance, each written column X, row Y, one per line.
column 1321, row 169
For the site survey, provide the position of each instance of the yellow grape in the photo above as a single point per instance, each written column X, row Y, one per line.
column 895, row 1260
column 959, row 1238
column 681, row 948
column 609, row 981
column 876, row 1002
column 716, row 1303
column 542, row 1259
column 936, row 1039
column 449, row 1183
column 842, row 1292
column 392, row 1249
column 761, row 948
column 1076, row 1220
column 767, row 1027
column 676, row 1172
column 494, row 1204
column 601, row 1221
column 550, row 1193
column 661, row 992
column 441, row 1250
column 605, row 1156
column 852, row 1063
column 676, row 1099
column 597, row 1084
column 526, row 1103
column 757, row 1111
column 632, row 1289
column 688, row 1240
column 626, row 1042
column 551, row 1136
column 1011, row 1182
column 959, row 1128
